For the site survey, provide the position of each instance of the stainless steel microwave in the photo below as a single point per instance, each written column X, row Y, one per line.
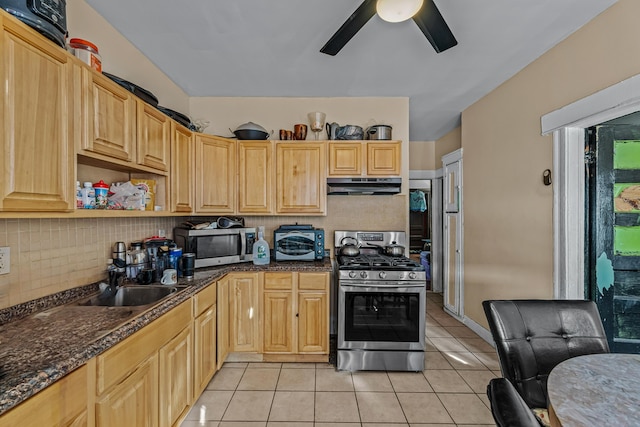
column 298, row 243
column 216, row 246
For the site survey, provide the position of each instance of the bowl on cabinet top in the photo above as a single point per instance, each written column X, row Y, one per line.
column 251, row 130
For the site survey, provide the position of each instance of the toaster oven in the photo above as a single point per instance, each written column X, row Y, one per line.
column 298, row 243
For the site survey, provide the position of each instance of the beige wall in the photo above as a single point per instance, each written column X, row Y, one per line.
column 122, row 58
column 508, row 211
column 447, row 144
column 422, row 155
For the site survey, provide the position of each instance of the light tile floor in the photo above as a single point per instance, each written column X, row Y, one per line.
column 449, row 392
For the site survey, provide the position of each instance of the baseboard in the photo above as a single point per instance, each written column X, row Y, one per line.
column 478, row 329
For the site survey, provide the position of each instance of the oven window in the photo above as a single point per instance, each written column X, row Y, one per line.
column 382, row 316
column 218, row 246
column 295, row 245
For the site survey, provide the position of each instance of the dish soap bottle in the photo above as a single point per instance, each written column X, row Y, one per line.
column 261, row 252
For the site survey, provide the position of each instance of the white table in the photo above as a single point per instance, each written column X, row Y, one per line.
column 595, row 390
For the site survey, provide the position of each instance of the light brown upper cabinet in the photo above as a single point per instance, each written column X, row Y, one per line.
column 153, row 137
column 215, row 174
column 360, row 158
column 345, row 159
column 108, row 118
column 383, row 158
column 118, row 128
column 182, row 175
column 38, row 166
column 255, row 177
column 301, row 178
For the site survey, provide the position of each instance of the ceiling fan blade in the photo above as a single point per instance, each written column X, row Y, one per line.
column 434, row 27
column 351, row 26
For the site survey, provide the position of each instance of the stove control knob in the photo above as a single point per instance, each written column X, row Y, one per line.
column 352, row 274
column 363, row 274
column 382, row 274
column 412, row 275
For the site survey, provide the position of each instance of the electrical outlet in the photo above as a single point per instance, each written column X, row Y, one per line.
column 5, row 260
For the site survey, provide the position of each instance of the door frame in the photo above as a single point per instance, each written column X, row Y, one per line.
column 436, row 223
column 453, row 208
column 568, row 126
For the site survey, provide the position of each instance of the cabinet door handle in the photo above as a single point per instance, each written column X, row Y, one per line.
column 297, row 314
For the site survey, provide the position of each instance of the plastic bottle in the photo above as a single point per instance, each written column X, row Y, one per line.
column 79, row 202
column 88, row 196
column 261, row 253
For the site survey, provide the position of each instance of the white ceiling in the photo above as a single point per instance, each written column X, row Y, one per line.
column 271, row 48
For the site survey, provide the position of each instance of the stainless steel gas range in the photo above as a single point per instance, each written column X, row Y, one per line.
column 381, row 303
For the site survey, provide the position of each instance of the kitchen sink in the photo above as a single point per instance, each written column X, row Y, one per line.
column 128, row 296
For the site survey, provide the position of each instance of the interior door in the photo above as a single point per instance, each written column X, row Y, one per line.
column 613, row 231
column 453, row 234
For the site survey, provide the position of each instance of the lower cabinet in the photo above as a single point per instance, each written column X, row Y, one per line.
column 279, row 314
column 146, row 380
column 63, row 403
column 244, row 316
column 134, row 401
column 176, row 387
column 222, row 348
column 296, row 313
column 152, row 377
column 204, row 338
column 312, row 322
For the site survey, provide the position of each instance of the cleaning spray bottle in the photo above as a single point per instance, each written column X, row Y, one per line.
column 261, row 253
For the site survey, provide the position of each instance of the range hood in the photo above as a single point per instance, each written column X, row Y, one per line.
column 364, row 186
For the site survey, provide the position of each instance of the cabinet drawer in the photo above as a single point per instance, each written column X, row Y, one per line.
column 116, row 363
column 278, row 281
column 204, row 299
column 313, row 281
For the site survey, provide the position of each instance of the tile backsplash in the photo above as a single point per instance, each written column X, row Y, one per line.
column 52, row 255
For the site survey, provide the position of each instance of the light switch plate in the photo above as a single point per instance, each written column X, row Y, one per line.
column 5, row 260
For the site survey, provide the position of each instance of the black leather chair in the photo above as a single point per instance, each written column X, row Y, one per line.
column 532, row 337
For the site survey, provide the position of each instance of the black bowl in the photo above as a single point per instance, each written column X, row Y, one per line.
column 251, row 134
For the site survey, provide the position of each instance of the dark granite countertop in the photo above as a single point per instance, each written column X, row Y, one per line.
column 43, row 340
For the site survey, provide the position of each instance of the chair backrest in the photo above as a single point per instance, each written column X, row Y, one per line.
column 533, row 336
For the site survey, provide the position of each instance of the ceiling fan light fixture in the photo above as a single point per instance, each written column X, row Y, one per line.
column 397, row 10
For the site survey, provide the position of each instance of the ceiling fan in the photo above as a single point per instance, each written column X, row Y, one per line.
column 427, row 17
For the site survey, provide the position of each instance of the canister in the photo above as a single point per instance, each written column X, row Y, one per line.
column 101, row 189
column 174, row 259
column 188, row 265
column 87, row 52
